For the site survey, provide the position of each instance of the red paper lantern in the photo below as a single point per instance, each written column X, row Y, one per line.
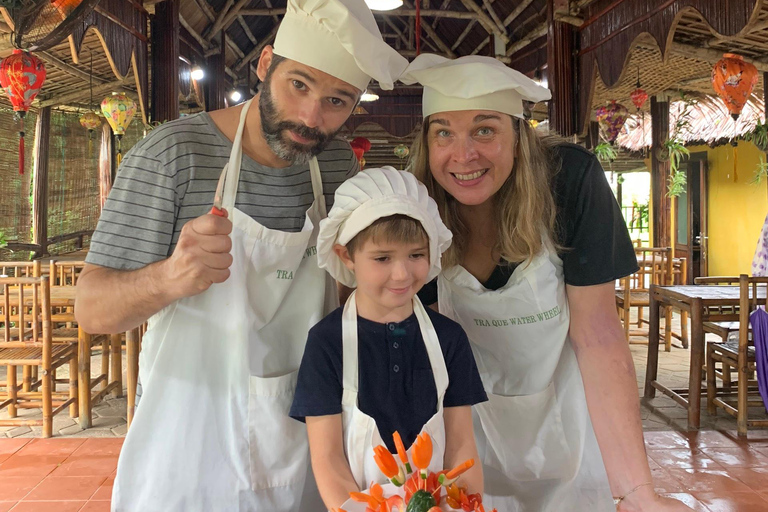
column 733, row 80
column 21, row 76
column 612, row 118
column 639, row 97
column 359, row 146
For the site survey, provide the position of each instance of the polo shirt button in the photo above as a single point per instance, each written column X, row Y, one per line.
column 396, row 345
column 396, row 368
column 391, row 327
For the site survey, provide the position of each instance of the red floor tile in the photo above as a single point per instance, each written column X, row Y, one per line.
column 66, row 488
column 86, row 466
column 663, row 482
column 714, row 439
column 48, row 506
column 96, row 506
column 100, row 447
column 733, row 502
column 683, row 459
column 14, row 488
column 756, row 478
column 5, row 506
column 35, row 465
column 665, row 440
column 742, row 457
column 707, row 480
column 10, row 446
column 51, row 447
column 105, row 491
column 689, row 500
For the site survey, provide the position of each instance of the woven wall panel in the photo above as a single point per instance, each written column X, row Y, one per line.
column 73, row 178
column 15, row 207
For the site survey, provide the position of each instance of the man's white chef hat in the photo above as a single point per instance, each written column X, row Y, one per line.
column 371, row 195
column 341, row 38
column 471, row 83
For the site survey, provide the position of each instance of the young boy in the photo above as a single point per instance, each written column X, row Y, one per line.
column 382, row 363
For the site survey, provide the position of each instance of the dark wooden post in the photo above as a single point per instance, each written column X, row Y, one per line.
column 215, row 81
column 561, row 73
column 593, row 135
column 40, row 201
column 659, row 173
column 165, row 61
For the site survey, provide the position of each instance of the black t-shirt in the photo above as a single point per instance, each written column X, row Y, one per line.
column 590, row 227
column 395, row 382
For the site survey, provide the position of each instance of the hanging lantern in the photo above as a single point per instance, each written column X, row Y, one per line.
column 119, row 110
column 639, row 97
column 21, row 76
column 401, row 151
column 611, row 118
column 359, row 146
column 65, row 7
column 90, row 121
column 733, row 80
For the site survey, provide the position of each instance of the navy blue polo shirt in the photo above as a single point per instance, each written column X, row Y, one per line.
column 395, row 382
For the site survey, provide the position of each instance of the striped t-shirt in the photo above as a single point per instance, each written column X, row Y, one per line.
column 170, row 177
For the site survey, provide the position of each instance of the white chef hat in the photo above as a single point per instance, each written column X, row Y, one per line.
column 341, row 38
column 371, row 195
column 471, row 83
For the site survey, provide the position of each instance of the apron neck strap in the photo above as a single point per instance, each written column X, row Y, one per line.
column 350, row 347
column 317, row 186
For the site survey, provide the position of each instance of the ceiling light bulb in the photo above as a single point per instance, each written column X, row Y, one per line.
column 235, row 96
column 368, row 96
column 383, row 5
column 197, row 73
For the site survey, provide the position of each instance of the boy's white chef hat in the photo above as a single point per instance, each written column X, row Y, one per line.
column 471, row 83
column 371, row 195
column 341, row 38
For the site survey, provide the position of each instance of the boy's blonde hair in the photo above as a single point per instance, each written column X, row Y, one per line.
column 395, row 228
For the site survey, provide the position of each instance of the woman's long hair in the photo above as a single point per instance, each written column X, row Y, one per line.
column 525, row 204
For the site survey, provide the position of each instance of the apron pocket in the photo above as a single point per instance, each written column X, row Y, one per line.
column 279, row 449
column 525, row 436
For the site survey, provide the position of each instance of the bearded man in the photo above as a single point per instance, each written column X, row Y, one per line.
column 231, row 292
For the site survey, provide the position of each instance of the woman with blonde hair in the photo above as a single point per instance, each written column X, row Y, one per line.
column 538, row 244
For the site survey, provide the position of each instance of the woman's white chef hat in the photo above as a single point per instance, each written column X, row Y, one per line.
column 371, row 195
column 341, row 38
column 471, row 83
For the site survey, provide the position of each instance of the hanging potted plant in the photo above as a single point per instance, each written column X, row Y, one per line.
column 605, row 153
column 758, row 136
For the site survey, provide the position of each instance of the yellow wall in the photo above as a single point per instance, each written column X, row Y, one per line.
column 737, row 208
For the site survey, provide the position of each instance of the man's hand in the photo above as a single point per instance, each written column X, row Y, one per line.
column 201, row 256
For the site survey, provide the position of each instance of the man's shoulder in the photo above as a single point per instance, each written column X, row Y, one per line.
column 187, row 134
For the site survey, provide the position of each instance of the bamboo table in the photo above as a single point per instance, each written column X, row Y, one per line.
column 64, row 297
column 700, row 302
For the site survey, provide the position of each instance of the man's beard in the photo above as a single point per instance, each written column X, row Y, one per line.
column 281, row 145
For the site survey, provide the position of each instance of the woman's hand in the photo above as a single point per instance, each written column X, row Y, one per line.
column 646, row 500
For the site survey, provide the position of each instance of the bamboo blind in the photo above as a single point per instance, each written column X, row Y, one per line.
column 15, row 190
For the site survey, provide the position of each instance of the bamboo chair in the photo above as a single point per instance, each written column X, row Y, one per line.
column 65, row 273
column 740, row 359
column 655, row 268
column 680, row 276
column 22, row 269
column 26, row 340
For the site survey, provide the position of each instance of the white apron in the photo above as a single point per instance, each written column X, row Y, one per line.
column 361, row 435
column 219, row 371
column 534, row 435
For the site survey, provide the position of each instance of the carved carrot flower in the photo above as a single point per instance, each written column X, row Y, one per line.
column 401, row 452
column 388, row 465
column 451, row 476
column 422, row 453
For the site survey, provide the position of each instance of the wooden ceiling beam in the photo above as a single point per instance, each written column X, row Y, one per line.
column 98, row 90
column 212, row 30
column 517, row 12
column 232, row 14
column 256, row 51
column 483, row 18
column 494, row 16
column 67, row 68
column 200, row 39
column 464, row 34
column 534, row 34
column 399, row 32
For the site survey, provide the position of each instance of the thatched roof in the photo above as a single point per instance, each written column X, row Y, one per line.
column 708, row 118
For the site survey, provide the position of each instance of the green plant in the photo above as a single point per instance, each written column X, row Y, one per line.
column 675, row 152
column 676, row 184
column 759, row 135
column 3, row 241
column 761, row 172
column 606, row 152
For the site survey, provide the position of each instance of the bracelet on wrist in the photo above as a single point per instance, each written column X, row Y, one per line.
column 617, row 501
